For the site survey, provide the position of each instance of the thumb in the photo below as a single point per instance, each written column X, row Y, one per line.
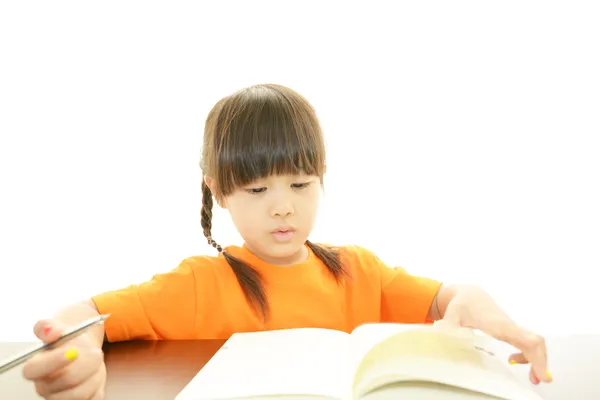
column 518, row 358
column 452, row 316
column 48, row 330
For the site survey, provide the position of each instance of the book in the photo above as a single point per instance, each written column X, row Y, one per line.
column 375, row 362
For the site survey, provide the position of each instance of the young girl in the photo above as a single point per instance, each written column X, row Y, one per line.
column 263, row 160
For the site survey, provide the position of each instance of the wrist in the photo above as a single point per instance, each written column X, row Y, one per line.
column 77, row 313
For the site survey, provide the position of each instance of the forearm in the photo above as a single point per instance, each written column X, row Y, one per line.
column 468, row 304
column 444, row 296
column 448, row 293
column 79, row 312
column 460, row 294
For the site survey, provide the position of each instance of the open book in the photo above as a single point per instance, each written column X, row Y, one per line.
column 375, row 361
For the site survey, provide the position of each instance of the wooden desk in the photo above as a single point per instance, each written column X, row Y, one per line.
column 160, row 370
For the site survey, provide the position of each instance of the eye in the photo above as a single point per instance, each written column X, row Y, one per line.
column 256, row 190
column 300, row 185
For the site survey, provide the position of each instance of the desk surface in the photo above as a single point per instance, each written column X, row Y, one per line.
column 160, row 370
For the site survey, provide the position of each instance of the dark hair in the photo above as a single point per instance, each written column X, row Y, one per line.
column 256, row 132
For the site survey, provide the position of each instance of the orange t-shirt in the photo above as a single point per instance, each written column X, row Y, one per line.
column 202, row 299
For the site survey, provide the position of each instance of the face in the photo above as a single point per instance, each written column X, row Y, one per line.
column 275, row 216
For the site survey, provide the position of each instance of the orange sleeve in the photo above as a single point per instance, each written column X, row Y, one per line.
column 405, row 298
column 162, row 308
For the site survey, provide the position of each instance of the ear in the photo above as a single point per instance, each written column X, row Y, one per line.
column 210, row 183
column 213, row 189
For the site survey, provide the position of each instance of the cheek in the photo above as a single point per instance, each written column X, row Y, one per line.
column 244, row 216
column 309, row 205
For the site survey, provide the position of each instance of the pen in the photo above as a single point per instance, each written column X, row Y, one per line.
column 70, row 334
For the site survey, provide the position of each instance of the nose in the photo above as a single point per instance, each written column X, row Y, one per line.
column 282, row 206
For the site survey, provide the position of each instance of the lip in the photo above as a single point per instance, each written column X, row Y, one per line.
column 283, row 234
column 284, row 229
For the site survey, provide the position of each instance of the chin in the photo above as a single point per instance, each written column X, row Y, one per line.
column 283, row 249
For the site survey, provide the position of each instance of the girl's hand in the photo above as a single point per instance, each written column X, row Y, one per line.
column 73, row 371
column 473, row 308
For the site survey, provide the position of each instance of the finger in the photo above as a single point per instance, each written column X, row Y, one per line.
column 74, row 375
column 542, row 375
column 99, row 395
column 533, row 378
column 452, row 316
column 88, row 389
column 43, row 364
column 539, row 363
column 47, row 330
column 518, row 358
column 534, row 347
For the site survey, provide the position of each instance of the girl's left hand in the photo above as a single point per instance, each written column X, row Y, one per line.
column 473, row 308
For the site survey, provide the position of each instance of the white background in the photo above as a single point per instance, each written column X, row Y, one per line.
column 463, row 141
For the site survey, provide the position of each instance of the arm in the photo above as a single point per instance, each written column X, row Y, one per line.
column 164, row 307
column 161, row 308
column 441, row 301
column 405, row 298
column 472, row 307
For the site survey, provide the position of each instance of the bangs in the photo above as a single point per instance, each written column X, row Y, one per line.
column 264, row 131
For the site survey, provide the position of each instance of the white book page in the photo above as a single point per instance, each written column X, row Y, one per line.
column 273, row 363
column 437, row 356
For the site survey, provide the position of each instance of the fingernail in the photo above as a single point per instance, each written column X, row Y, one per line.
column 71, row 354
column 512, row 362
column 46, row 331
column 549, row 375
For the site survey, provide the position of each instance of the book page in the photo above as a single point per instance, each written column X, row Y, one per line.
column 435, row 355
column 297, row 362
column 421, row 390
column 364, row 337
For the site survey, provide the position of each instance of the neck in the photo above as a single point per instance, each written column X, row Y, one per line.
column 297, row 257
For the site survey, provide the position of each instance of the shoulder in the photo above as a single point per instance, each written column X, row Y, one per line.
column 356, row 256
column 358, row 251
column 200, row 262
column 354, row 252
column 187, row 273
column 196, row 272
column 203, row 265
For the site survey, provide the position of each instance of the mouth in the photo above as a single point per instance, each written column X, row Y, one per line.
column 283, row 233
column 283, row 229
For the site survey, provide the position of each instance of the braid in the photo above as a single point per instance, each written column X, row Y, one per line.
column 206, row 216
column 249, row 279
column 331, row 258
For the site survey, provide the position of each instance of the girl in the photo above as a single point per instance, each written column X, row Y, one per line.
column 263, row 160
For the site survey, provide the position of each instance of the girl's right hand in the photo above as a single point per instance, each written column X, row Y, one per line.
column 73, row 371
